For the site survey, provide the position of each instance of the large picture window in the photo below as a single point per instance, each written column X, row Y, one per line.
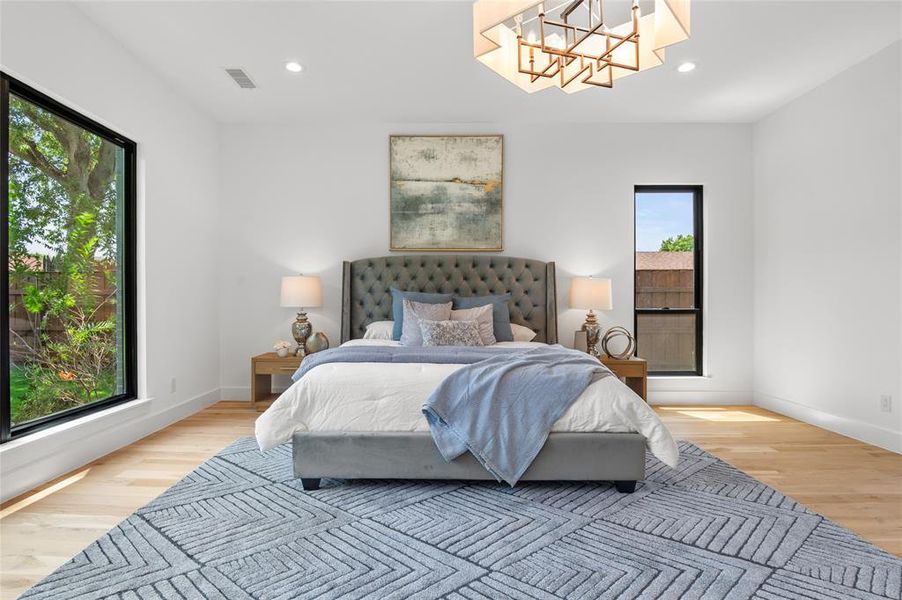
column 68, row 241
column 668, row 284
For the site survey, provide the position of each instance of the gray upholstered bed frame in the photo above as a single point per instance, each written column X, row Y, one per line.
column 617, row 457
column 365, row 295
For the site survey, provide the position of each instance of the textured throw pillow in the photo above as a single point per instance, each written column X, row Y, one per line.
column 450, row 333
column 379, row 330
column 397, row 305
column 414, row 312
column 501, row 315
column 522, row 334
column 483, row 317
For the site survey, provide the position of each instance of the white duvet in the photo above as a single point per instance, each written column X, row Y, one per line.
column 390, row 397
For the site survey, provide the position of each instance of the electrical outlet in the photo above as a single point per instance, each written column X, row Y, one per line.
column 172, row 385
column 886, row 403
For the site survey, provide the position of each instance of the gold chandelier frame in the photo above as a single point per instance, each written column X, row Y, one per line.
column 589, row 64
column 569, row 53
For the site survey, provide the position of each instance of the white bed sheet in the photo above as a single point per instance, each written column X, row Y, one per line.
column 390, row 397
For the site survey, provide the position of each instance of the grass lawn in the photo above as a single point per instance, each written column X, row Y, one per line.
column 18, row 389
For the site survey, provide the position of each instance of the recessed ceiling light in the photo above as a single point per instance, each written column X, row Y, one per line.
column 294, row 67
column 686, row 67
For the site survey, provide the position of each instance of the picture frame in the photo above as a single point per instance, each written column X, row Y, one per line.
column 446, row 193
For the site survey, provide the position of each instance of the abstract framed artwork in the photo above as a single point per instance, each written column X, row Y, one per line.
column 446, row 192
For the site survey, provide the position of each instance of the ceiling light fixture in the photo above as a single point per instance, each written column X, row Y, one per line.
column 294, row 67
column 686, row 67
column 570, row 45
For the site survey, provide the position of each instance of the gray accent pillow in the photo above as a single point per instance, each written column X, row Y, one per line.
column 413, row 312
column 501, row 313
column 483, row 317
column 450, row 333
column 397, row 305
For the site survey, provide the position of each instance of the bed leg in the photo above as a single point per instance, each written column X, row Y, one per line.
column 310, row 484
column 624, row 487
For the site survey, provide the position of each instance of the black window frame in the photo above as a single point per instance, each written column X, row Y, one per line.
column 698, row 241
column 9, row 432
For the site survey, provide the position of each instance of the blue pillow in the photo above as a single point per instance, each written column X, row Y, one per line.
column 397, row 306
column 501, row 314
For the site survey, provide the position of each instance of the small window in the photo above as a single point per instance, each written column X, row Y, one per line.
column 668, row 278
column 67, row 236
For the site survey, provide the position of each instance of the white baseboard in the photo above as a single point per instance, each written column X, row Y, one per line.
column 45, row 455
column 859, row 430
column 698, row 397
column 241, row 393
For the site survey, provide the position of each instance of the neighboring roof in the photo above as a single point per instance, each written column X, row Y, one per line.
column 36, row 263
column 664, row 261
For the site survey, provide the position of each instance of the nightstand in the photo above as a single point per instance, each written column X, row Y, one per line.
column 263, row 367
column 633, row 371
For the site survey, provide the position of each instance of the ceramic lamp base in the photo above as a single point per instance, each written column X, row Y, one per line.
column 593, row 332
column 301, row 330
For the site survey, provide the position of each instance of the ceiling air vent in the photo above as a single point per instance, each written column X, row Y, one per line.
column 241, row 78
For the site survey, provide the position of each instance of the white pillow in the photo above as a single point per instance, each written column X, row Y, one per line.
column 522, row 334
column 414, row 312
column 379, row 330
column 483, row 317
column 371, row 343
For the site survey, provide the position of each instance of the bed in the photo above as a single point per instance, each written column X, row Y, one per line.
column 363, row 421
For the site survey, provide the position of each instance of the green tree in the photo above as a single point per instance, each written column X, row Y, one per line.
column 680, row 243
column 63, row 192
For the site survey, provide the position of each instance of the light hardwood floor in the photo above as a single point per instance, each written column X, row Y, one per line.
column 855, row 484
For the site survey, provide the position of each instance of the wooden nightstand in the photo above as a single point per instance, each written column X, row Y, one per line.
column 633, row 370
column 263, row 367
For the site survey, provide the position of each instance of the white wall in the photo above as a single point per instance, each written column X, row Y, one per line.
column 215, row 237
column 56, row 49
column 827, row 236
column 303, row 198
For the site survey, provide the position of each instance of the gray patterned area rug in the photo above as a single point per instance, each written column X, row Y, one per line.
column 240, row 526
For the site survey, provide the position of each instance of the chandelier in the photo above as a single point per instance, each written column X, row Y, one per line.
column 572, row 45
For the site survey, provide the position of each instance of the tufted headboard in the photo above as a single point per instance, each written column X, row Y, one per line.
column 366, row 282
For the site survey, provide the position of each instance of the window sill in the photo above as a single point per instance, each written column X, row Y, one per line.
column 32, row 460
column 124, row 410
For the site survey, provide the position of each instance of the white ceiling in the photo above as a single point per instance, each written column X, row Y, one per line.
column 413, row 61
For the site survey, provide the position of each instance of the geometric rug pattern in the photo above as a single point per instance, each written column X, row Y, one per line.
column 240, row 526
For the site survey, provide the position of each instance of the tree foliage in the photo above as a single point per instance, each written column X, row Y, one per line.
column 62, row 225
column 680, row 243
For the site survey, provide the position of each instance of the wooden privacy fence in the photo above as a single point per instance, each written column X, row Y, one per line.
column 667, row 342
column 665, row 288
column 26, row 327
column 666, row 280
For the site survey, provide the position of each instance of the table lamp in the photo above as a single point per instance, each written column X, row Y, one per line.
column 301, row 292
column 589, row 293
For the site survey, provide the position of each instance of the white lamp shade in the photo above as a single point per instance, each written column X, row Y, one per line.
column 590, row 293
column 301, row 291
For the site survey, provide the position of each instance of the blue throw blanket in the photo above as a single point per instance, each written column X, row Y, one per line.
column 500, row 407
